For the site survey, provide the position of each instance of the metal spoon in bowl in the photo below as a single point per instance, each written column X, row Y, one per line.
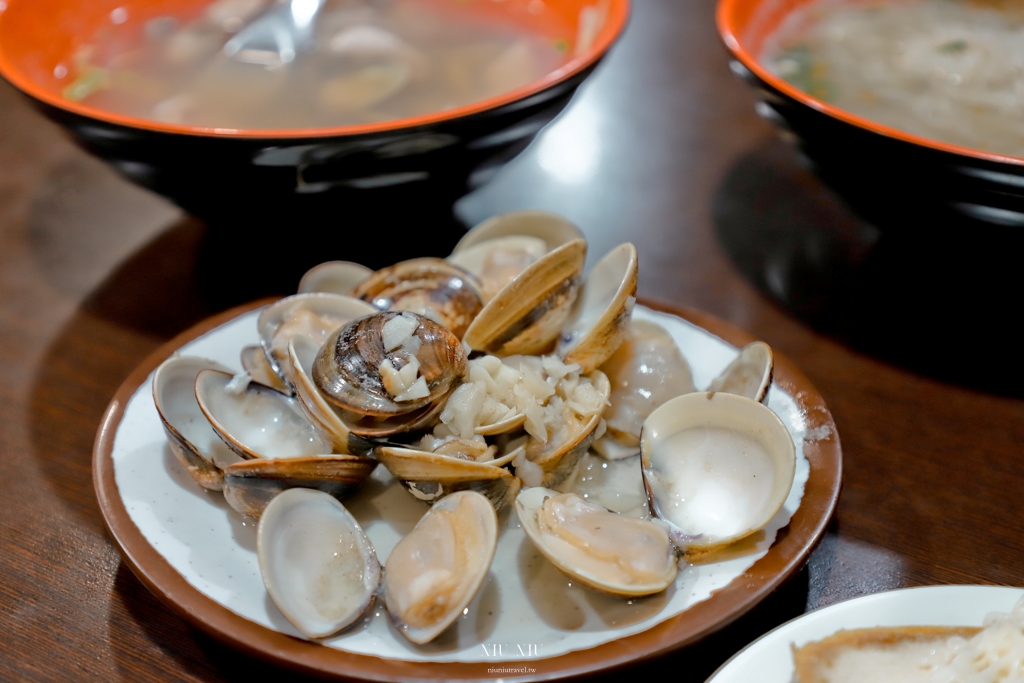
column 274, row 37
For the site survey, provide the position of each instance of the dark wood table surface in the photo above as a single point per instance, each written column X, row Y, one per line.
column 906, row 333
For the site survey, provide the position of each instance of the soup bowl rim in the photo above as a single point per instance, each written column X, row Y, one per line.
column 615, row 23
column 727, row 20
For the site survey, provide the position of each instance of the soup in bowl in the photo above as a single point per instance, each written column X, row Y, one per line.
column 381, row 102
column 910, row 108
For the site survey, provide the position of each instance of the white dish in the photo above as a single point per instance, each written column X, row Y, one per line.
column 524, row 600
column 769, row 659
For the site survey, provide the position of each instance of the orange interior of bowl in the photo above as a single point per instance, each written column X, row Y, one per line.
column 744, row 26
column 39, row 36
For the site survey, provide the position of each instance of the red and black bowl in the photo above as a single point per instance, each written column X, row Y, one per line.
column 335, row 179
column 897, row 180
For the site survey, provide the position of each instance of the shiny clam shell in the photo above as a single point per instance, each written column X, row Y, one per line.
column 600, row 318
column 318, row 565
column 256, row 422
column 527, row 315
column 334, row 277
column 436, row 570
column 431, row 287
column 750, row 374
column 251, row 484
column 432, row 476
column 255, row 362
column 192, row 440
column 346, row 370
column 554, row 229
column 314, row 315
column 717, row 467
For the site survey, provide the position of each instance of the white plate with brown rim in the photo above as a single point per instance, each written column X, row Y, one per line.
column 527, row 623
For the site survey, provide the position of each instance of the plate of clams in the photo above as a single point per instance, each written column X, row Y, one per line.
column 494, row 459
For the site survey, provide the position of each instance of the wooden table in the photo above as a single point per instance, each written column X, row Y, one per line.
column 907, row 338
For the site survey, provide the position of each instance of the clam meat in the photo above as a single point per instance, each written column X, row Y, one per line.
column 646, row 371
column 606, row 551
column 434, row 572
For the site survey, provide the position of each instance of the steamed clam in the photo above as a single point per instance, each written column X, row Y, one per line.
column 192, row 440
column 749, row 374
column 278, row 447
column 600, row 318
column 434, row 572
column 314, row 316
column 552, row 228
column 431, row 287
column 430, row 476
column 500, row 248
column 717, row 467
column 389, row 364
column 645, row 371
column 254, row 362
column 527, row 315
column 606, row 551
column 470, row 424
column 319, row 567
column 334, row 277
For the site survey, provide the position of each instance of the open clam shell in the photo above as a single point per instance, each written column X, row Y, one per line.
column 717, row 467
column 336, row 425
column 750, row 374
column 557, row 458
column 611, row 553
column 600, row 318
column 347, row 368
column 256, row 422
column 435, row 571
column 314, row 315
column 255, row 362
column 250, row 485
column 334, row 277
column 432, row 476
column 193, row 442
column 328, row 420
column 431, row 287
column 555, row 230
column 319, row 567
column 495, row 262
column 527, row 315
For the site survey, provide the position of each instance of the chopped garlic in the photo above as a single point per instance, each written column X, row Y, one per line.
column 531, row 474
column 238, row 384
column 398, row 381
column 396, row 331
column 461, row 410
column 419, row 389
